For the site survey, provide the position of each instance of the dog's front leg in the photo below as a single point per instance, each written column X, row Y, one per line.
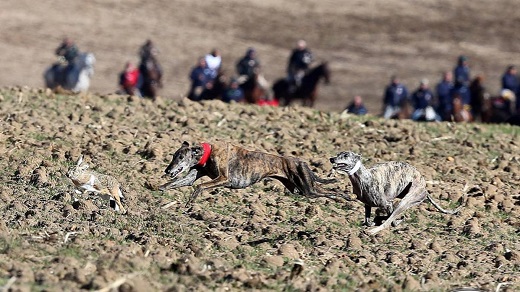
column 220, row 181
column 368, row 211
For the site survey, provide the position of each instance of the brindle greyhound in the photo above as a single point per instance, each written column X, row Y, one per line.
column 237, row 168
column 381, row 184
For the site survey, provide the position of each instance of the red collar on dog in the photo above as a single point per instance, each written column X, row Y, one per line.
column 205, row 154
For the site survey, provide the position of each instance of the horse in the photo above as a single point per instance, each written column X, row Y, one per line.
column 461, row 113
column 498, row 109
column 151, row 73
column 254, row 93
column 74, row 77
column 307, row 91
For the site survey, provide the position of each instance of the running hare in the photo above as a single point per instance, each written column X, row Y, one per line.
column 91, row 181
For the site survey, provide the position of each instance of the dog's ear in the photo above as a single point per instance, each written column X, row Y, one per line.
column 357, row 156
column 196, row 151
column 185, row 144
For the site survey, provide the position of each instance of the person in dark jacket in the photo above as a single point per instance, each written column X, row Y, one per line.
column 422, row 100
column 67, row 50
column 444, row 90
column 200, row 77
column 357, row 107
column 396, row 94
column 299, row 61
column 510, row 79
column 461, row 72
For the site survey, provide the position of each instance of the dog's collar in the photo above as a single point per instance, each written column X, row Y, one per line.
column 205, row 154
column 356, row 168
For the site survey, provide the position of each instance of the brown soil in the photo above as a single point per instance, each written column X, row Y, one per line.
column 364, row 42
column 259, row 238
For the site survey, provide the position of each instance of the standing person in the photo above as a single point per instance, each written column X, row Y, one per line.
column 422, row 100
column 213, row 62
column 201, row 79
column 67, row 51
column 444, row 90
column 299, row 61
column 396, row 94
column 510, row 81
column 478, row 96
column 461, row 72
column 357, row 107
column 128, row 79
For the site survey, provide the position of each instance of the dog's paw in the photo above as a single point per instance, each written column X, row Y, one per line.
column 397, row 222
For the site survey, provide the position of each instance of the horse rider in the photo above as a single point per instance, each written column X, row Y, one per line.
column 213, row 62
column 147, row 50
column 299, row 61
column 67, row 51
column 422, row 100
column 248, row 66
column 396, row 94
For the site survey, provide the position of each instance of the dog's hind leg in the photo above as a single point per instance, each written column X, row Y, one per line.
column 414, row 197
column 219, row 181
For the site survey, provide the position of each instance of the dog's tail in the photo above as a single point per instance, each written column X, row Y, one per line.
column 315, row 177
column 451, row 212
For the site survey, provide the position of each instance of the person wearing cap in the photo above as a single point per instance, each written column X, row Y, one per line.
column 422, row 100
column 510, row 81
column 299, row 61
column 461, row 72
column 396, row 94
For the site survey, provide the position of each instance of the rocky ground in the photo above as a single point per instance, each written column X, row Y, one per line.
column 260, row 238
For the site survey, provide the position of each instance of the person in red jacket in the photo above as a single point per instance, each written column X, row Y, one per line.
column 128, row 79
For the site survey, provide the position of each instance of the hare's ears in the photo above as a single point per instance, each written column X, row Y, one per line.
column 80, row 160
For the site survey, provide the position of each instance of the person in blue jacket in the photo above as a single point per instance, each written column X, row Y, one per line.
column 357, row 107
column 422, row 100
column 396, row 94
column 444, row 91
column 200, row 77
column 461, row 72
column 510, row 79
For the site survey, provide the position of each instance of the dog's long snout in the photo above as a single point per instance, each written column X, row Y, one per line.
column 332, row 160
